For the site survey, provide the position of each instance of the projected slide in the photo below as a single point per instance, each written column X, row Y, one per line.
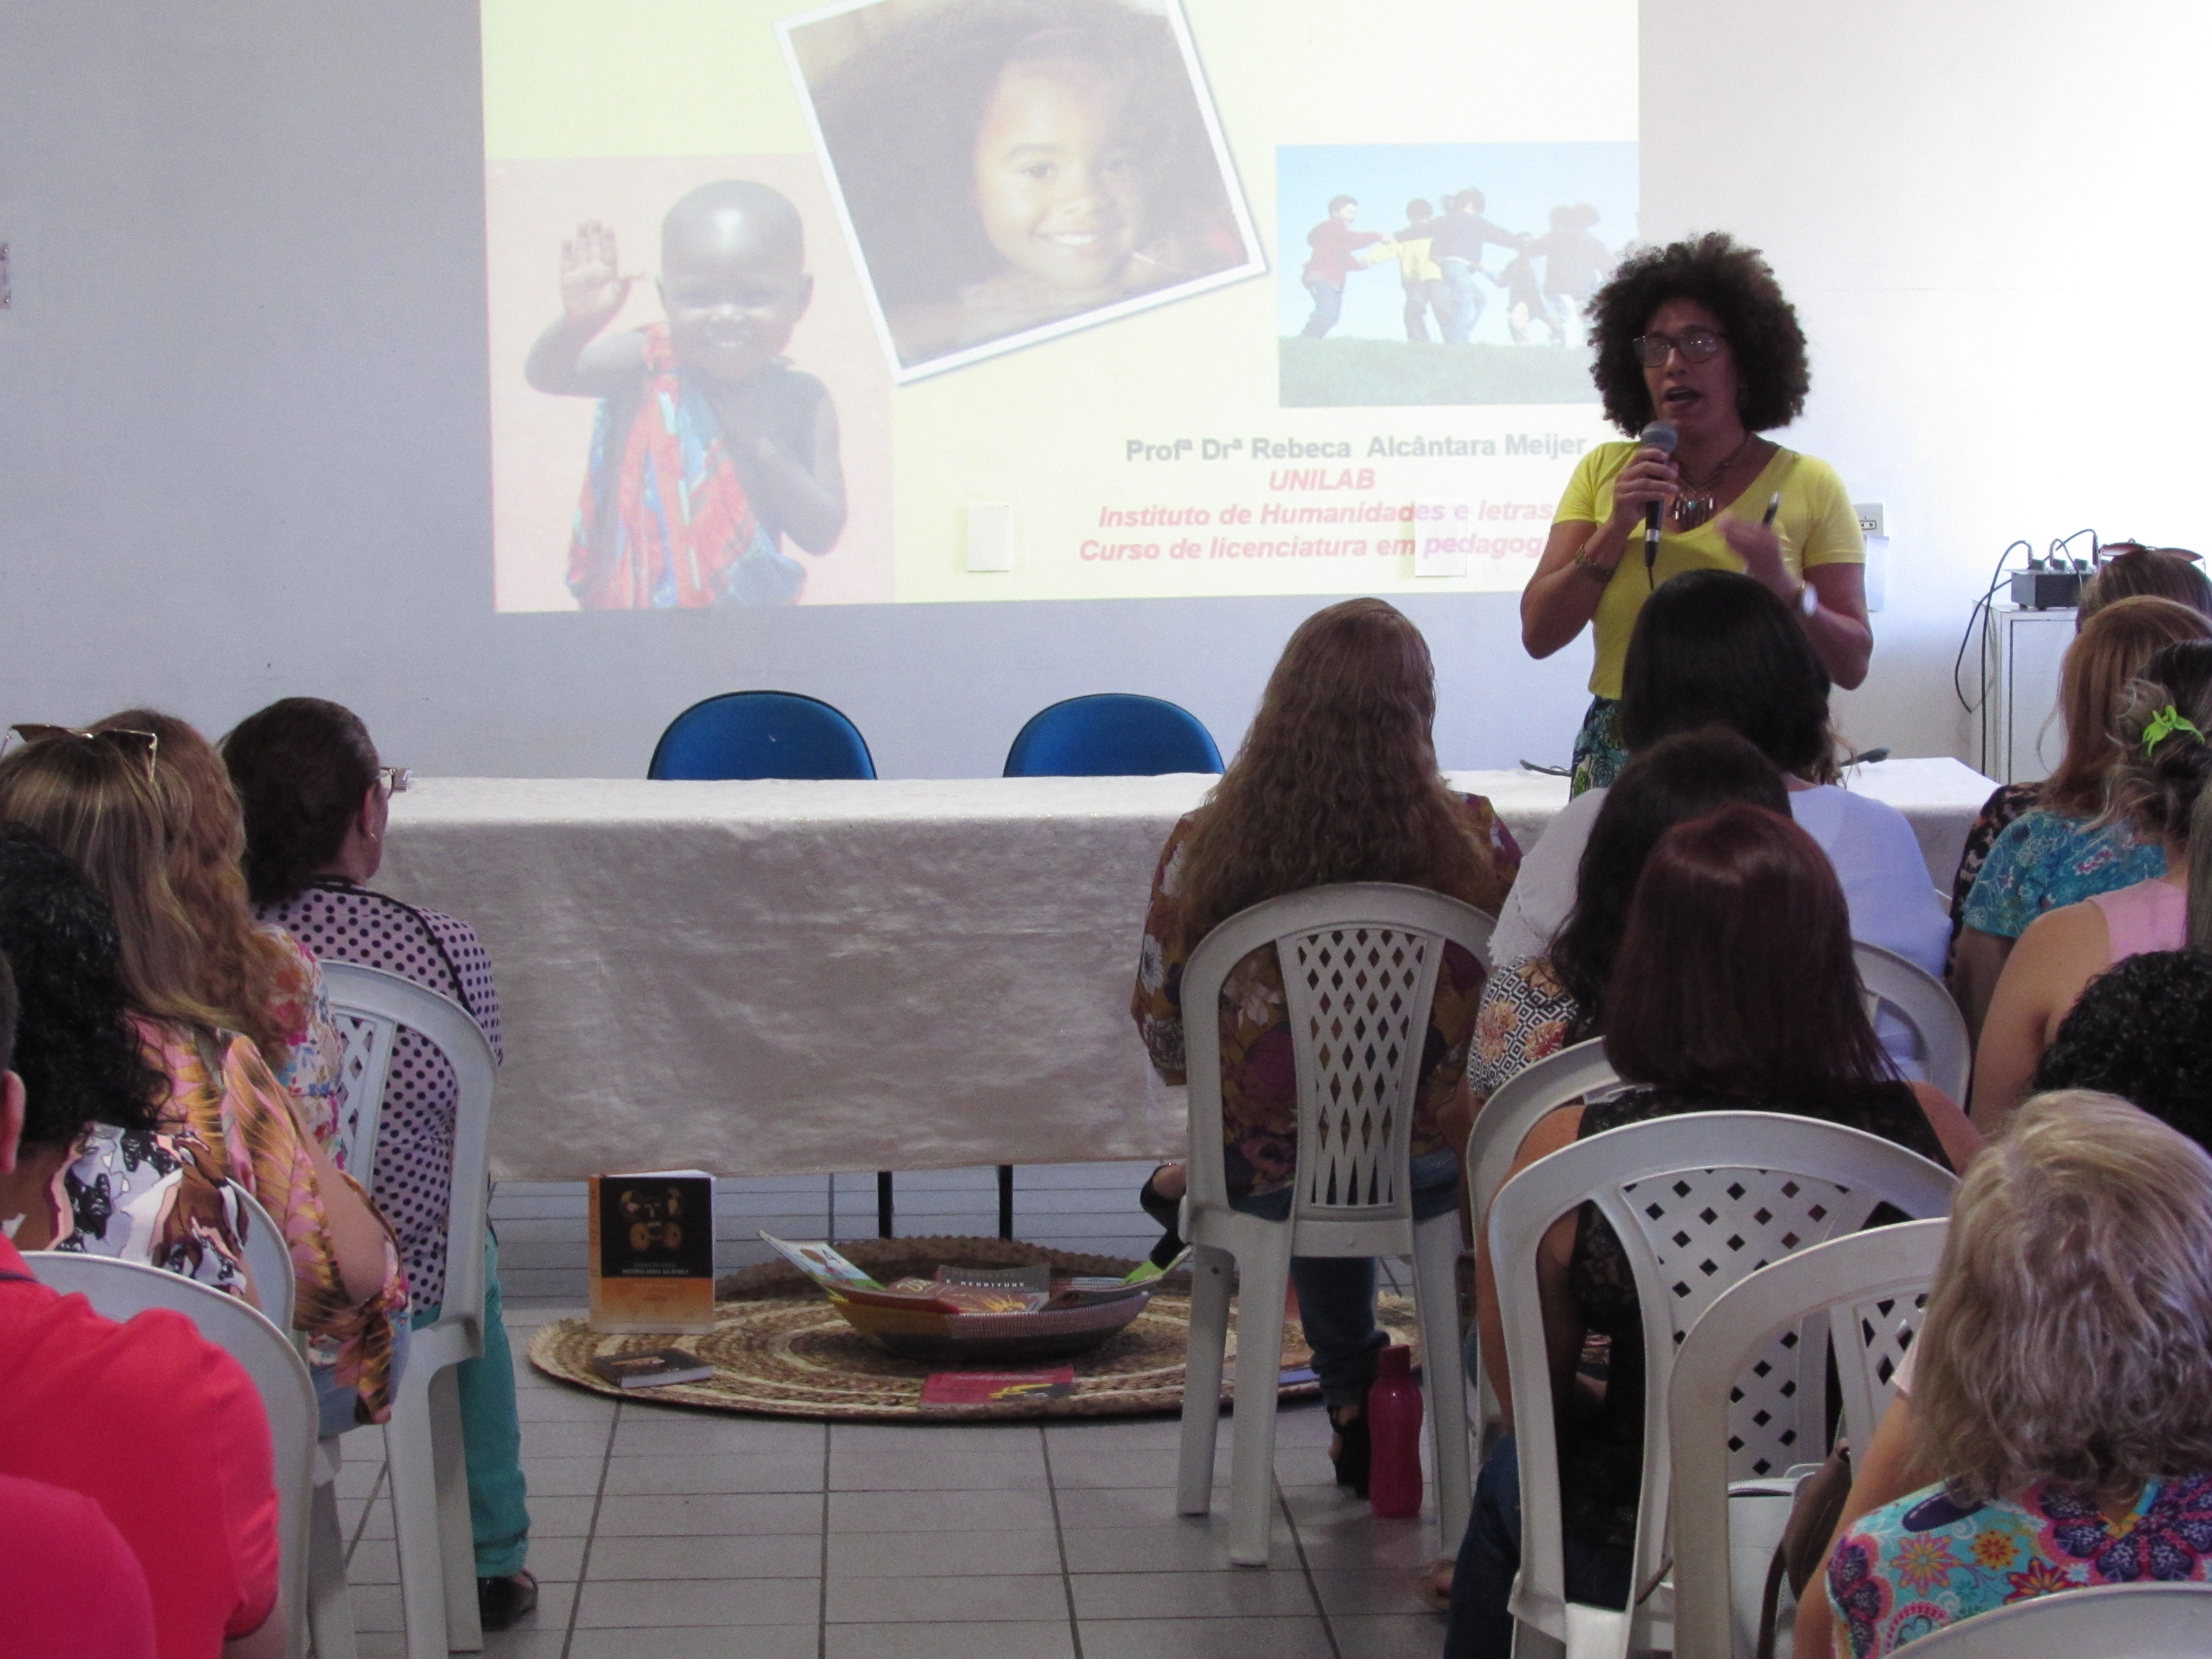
column 1210, row 297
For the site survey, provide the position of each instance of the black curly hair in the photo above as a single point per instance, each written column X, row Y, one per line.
column 899, row 118
column 79, row 1060
column 1736, row 284
column 301, row 767
column 2142, row 1030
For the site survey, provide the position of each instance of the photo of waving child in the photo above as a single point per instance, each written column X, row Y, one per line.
column 1012, row 169
column 710, row 451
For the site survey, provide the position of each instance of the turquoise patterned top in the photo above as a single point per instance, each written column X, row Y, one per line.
column 2046, row 858
column 1922, row 1563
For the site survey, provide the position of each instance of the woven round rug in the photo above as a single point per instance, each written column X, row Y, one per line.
column 779, row 1351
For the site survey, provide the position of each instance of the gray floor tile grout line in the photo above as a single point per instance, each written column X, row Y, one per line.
column 821, row 1581
column 592, row 1530
column 367, row 1509
column 1298, row 1543
column 1060, row 1543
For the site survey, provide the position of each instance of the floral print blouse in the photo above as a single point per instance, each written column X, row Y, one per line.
column 314, row 1056
column 1924, row 1562
column 2045, row 859
column 1525, row 1014
column 2009, row 801
column 1258, row 1081
column 160, row 1200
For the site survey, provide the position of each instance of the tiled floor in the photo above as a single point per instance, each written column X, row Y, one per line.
column 662, row 1533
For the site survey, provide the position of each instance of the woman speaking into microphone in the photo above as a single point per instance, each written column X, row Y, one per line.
column 1694, row 340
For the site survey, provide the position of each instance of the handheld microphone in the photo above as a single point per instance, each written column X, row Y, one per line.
column 1661, row 436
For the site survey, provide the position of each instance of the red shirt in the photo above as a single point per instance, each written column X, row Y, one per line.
column 165, row 1432
column 1334, row 244
column 69, row 1582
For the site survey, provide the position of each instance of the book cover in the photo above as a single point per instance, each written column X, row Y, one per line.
column 653, row 1252
column 656, row 1369
column 821, row 1263
column 992, row 1387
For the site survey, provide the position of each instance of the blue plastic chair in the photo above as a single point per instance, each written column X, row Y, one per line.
column 760, row 734
column 1113, row 734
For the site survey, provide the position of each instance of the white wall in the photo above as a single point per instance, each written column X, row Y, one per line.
column 242, row 410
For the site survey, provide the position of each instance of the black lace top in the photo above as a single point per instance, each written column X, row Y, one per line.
column 1601, row 1452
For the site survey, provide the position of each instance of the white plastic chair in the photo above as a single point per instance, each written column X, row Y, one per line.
column 422, row 1441
column 120, row 1289
column 1359, row 966
column 1698, row 1201
column 267, row 1258
column 1520, row 1102
column 1923, row 1003
column 1872, row 1287
column 2108, row 1621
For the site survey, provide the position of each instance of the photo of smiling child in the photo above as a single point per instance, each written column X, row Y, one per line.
column 710, row 451
column 1013, row 169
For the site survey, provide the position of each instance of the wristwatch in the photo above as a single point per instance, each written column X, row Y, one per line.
column 1808, row 600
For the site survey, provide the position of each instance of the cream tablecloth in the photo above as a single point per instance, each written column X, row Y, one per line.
column 778, row 978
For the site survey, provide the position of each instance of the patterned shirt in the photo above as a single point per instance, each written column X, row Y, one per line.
column 414, row 1163
column 314, row 1053
column 2006, row 803
column 1525, row 1015
column 1259, row 1081
column 1922, row 1563
column 152, row 1198
column 2045, row 859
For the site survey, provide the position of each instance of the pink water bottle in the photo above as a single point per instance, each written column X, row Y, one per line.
column 1394, row 1422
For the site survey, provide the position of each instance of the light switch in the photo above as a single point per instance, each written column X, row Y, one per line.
column 990, row 536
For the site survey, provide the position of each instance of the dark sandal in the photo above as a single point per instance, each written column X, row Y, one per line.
column 1354, row 1452
column 1168, row 1211
column 501, row 1601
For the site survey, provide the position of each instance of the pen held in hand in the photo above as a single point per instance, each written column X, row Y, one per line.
column 1773, row 506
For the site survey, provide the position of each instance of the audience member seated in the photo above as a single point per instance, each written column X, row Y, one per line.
column 2158, row 786
column 2038, row 846
column 68, row 1578
column 2063, row 1400
column 2142, row 1032
column 259, row 980
column 316, row 798
column 1713, row 646
column 96, row 1171
column 2128, row 570
column 1337, row 781
column 93, row 796
column 1540, row 1003
column 1734, row 989
column 163, row 1431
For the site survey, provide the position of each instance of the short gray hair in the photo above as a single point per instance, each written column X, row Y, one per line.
column 2069, row 1337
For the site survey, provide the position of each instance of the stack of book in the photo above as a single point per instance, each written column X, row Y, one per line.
column 976, row 1312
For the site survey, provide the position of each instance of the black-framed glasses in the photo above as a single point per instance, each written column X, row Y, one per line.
column 130, row 742
column 1696, row 345
column 395, row 779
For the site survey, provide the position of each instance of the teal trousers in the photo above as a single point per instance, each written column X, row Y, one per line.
column 491, row 1438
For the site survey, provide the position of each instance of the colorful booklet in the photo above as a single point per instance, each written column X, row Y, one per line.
column 656, row 1369
column 653, row 1252
column 994, row 1388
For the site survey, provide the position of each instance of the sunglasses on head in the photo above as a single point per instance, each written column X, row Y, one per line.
column 132, row 743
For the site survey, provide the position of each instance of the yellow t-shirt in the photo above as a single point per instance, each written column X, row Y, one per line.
column 1816, row 524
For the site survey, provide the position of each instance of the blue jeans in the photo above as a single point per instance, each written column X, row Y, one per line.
column 1481, row 1623
column 491, row 1438
column 1466, row 308
column 1328, row 306
column 1336, row 1293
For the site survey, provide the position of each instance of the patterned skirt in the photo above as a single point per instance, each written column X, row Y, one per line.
column 1599, row 751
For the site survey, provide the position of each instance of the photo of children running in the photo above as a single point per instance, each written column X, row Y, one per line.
column 1012, row 169
column 1345, row 341
column 710, row 451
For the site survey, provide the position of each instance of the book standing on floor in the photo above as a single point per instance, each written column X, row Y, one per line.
column 653, row 1252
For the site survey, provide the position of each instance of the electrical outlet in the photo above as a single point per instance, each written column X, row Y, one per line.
column 1870, row 518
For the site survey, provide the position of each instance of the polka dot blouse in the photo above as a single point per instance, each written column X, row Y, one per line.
column 341, row 922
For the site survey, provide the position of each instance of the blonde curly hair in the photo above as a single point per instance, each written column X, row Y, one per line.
column 2069, row 1337
column 1337, row 779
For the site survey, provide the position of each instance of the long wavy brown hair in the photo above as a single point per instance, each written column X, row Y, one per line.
column 2108, row 653
column 95, row 801
column 1337, row 779
column 239, row 965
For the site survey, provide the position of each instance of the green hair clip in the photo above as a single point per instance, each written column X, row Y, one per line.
column 2164, row 723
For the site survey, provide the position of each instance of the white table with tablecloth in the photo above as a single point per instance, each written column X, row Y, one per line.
column 783, row 978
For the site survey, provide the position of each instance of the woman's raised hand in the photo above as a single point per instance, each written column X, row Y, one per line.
column 1650, row 476
column 592, row 286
